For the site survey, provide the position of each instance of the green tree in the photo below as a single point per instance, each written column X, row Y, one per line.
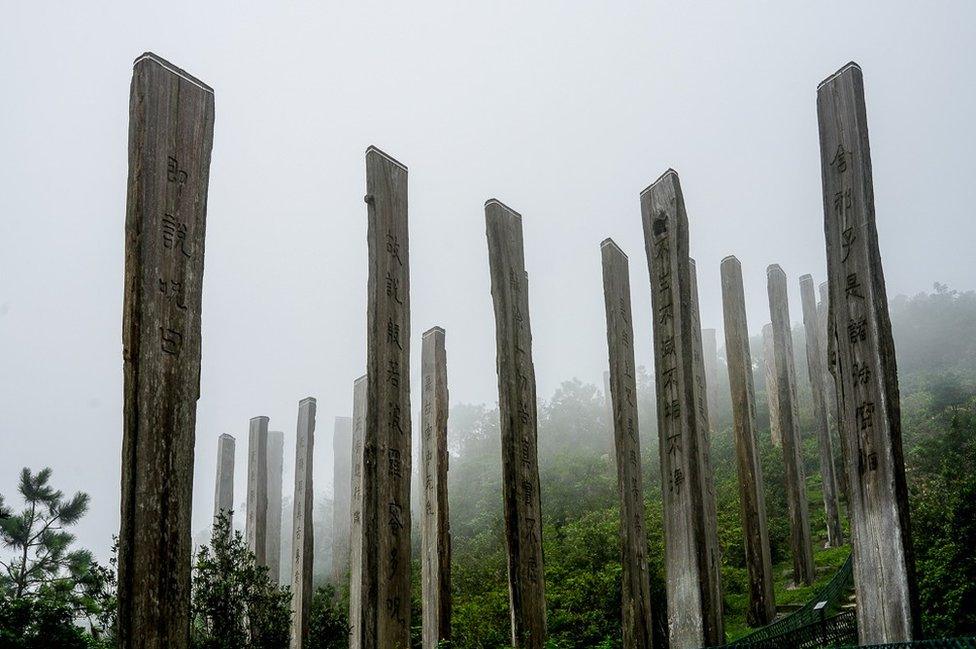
column 327, row 624
column 235, row 604
column 38, row 538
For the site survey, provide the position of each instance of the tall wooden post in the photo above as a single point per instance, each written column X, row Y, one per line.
column 341, row 490
column 224, row 491
column 710, row 359
column 752, row 499
column 835, row 536
column 435, row 530
column 171, row 117
column 635, row 585
column 276, row 456
column 866, row 374
column 517, row 414
column 694, row 615
column 356, row 514
column 796, row 492
column 772, row 391
column 256, row 530
column 302, row 546
column 385, row 578
column 830, row 387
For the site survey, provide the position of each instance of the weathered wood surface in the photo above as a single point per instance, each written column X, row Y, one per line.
column 801, row 544
column 835, row 536
column 435, row 521
column 608, row 402
column 302, row 545
column 710, row 359
column 276, row 457
column 356, row 513
column 342, row 491
column 224, row 489
column 865, row 371
column 694, row 615
column 171, row 118
column 830, row 388
column 713, row 554
column 772, row 392
column 256, row 528
column 385, row 577
column 517, row 415
column 635, row 584
column 752, row 498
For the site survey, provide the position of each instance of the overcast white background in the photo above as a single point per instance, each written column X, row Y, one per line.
column 565, row 111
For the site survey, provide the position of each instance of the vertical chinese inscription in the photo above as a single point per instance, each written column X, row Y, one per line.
column 171, row 118
column 224, row 491
column 835, row 536
column 256, row 529
column 302, row 547
column 694, row 615
column 517, row 414
column 341, row 489
column 772, row 392
column 865, row 371
column 276, row 452
column 789, row 426
column 752, row 499
column 356, row 513
column 385, row 577
column 435, row 529
column 635, row 587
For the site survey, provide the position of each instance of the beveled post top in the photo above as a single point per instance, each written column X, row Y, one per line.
column 731, row 259
column 169, row 67
column 852, row 65
column 610, row 243
column 433, row 331
column 806, row 279
column 376, row 150
column 666, row 174
column 495, row 201
column 259, row 418
column 774, row 268
column 306, row 400
column 226, row 436
column 360, row 379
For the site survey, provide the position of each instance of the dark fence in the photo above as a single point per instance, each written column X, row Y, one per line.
column 940, row 643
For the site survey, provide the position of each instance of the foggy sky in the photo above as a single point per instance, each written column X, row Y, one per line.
column 564, row 111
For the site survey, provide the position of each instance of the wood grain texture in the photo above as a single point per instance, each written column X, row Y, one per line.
column 835, row 536
column 171, row 120
column 801, row 543
column 342, row 492
column 435, row 517
column 752, row 498
column 385, row 577
column 635, row 584
column 694, row 616
column 256, row 526
column 519, row 433
column 772, row 392
column 865, row 371
column 830, row 388
column 224, row 488
column 276, row 457
column 356, row 513
column 710, row 359
column 302, row 544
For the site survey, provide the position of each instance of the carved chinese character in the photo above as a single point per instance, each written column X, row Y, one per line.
column 395, row 465
column 853, row 287
column 173, row 172
column 393, row 372
column 393, row 247
column 171, row 341
column 857, row 330
column 393, row 288
column 672, row 409
column 862, row 373
column 527, row 492
column 396, row 517
column 514, row 282
column 393, row 333
column 849, row 237
column 840, row 159
column 174, row 235
column 865, row 415
column 677, row 478
column 174, row 291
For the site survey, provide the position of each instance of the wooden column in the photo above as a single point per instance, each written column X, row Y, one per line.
column 752, row 499
column 385, row 577
column 830, row 386
column 866, row 374
column 772, row 392
column 694, row 616
column 635, row 585
column 224, row 491
column 710, row 359
column 356, row 513
column 341, row 490
column 796, row 493
column 256, row 530
column 171, row 117
column 517, row 415
column 835, row 536
column 276, row 456
column 303, row 546
column 435, row 529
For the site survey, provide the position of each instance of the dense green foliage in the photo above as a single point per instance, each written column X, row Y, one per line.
column 235, row 604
